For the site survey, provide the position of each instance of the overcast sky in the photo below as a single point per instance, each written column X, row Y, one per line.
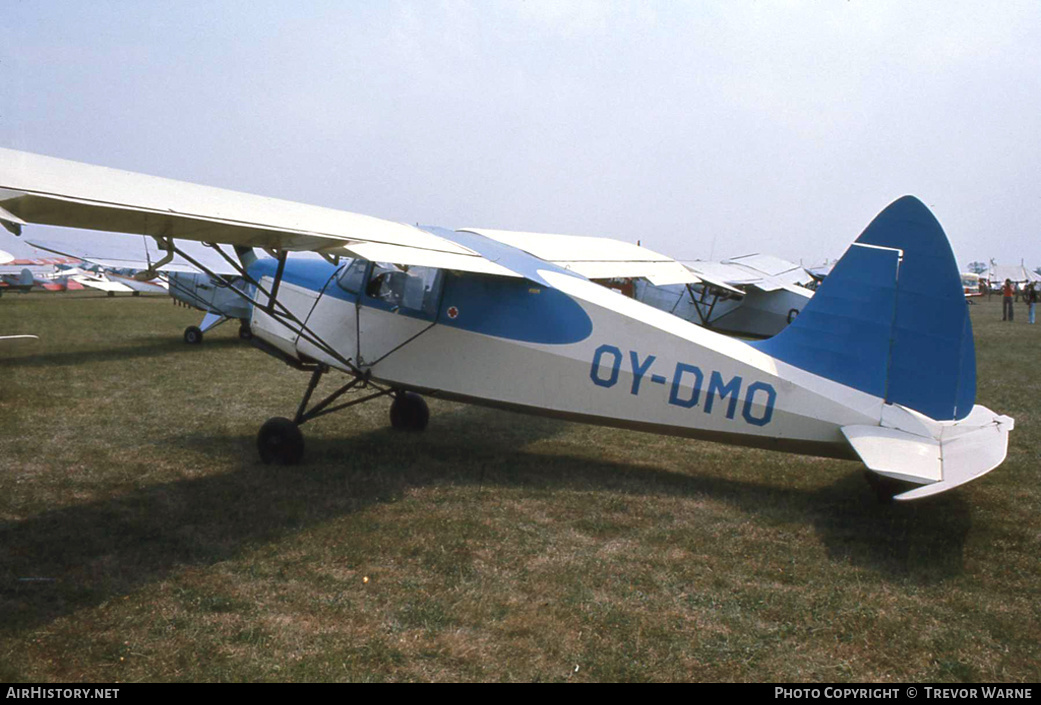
column 704, row 129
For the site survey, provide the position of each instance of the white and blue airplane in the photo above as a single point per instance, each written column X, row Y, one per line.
column 880, row 364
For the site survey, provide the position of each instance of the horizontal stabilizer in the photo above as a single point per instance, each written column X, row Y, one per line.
column 957, row 452
column 897, row 454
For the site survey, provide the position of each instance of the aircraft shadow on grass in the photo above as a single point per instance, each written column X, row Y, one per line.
column 61, row 561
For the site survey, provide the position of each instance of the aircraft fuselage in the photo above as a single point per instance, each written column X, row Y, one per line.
column 541, row 349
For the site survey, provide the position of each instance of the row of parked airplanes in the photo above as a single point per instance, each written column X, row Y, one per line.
column 878, row 365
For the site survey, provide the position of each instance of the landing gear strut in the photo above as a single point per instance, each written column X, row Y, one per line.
column 280, row 440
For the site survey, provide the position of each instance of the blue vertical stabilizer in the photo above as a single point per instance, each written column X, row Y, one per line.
column 891, row 318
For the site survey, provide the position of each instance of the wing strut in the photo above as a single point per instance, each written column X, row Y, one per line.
column 283, row 315
column 699, row 303
column 165, row 243
column 272, row 299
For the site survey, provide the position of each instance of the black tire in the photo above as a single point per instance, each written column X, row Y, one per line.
column 192, row 335
column 280, row 441
column 111, row 294
column 886, row 487
column 244, row 332
column 409, row 412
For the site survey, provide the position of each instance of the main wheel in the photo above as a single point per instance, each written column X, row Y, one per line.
column 409, row 412
column 192, row 335
column 280, row 441
column 244, row 332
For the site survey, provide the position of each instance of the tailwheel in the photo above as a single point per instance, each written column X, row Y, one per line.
column 192, row 335
column 280, row 441
column 409, row 412
column 886, row 487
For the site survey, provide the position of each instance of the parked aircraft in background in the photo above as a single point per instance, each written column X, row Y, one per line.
column 47, row 273
column 876, row 367
column 754, row 296
column 114, row 276
column 117, row 272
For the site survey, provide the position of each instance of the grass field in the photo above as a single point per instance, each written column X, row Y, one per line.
column 142, row 539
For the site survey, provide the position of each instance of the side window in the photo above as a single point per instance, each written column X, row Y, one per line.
column 352, row 276
column 383, row 284
column 411, row 290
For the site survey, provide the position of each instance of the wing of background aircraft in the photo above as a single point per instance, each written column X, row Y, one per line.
column 763, row 272
column 820, row 272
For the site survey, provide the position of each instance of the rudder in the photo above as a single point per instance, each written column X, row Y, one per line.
column 891, row 318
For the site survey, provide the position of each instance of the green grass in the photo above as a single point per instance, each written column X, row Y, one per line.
column 496, row 547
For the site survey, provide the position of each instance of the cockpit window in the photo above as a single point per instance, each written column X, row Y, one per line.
column 413, row 290
column 352, row 276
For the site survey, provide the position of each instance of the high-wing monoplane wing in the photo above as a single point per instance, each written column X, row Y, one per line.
column 764, row 272
column 49, row 191
column 595, row 257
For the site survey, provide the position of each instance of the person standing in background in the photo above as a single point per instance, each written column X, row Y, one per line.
column 1007, row 294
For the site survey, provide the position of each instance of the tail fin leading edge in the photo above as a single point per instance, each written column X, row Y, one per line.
column 891, row 318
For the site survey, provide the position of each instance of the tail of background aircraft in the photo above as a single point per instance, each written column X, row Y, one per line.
column 891, row 318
